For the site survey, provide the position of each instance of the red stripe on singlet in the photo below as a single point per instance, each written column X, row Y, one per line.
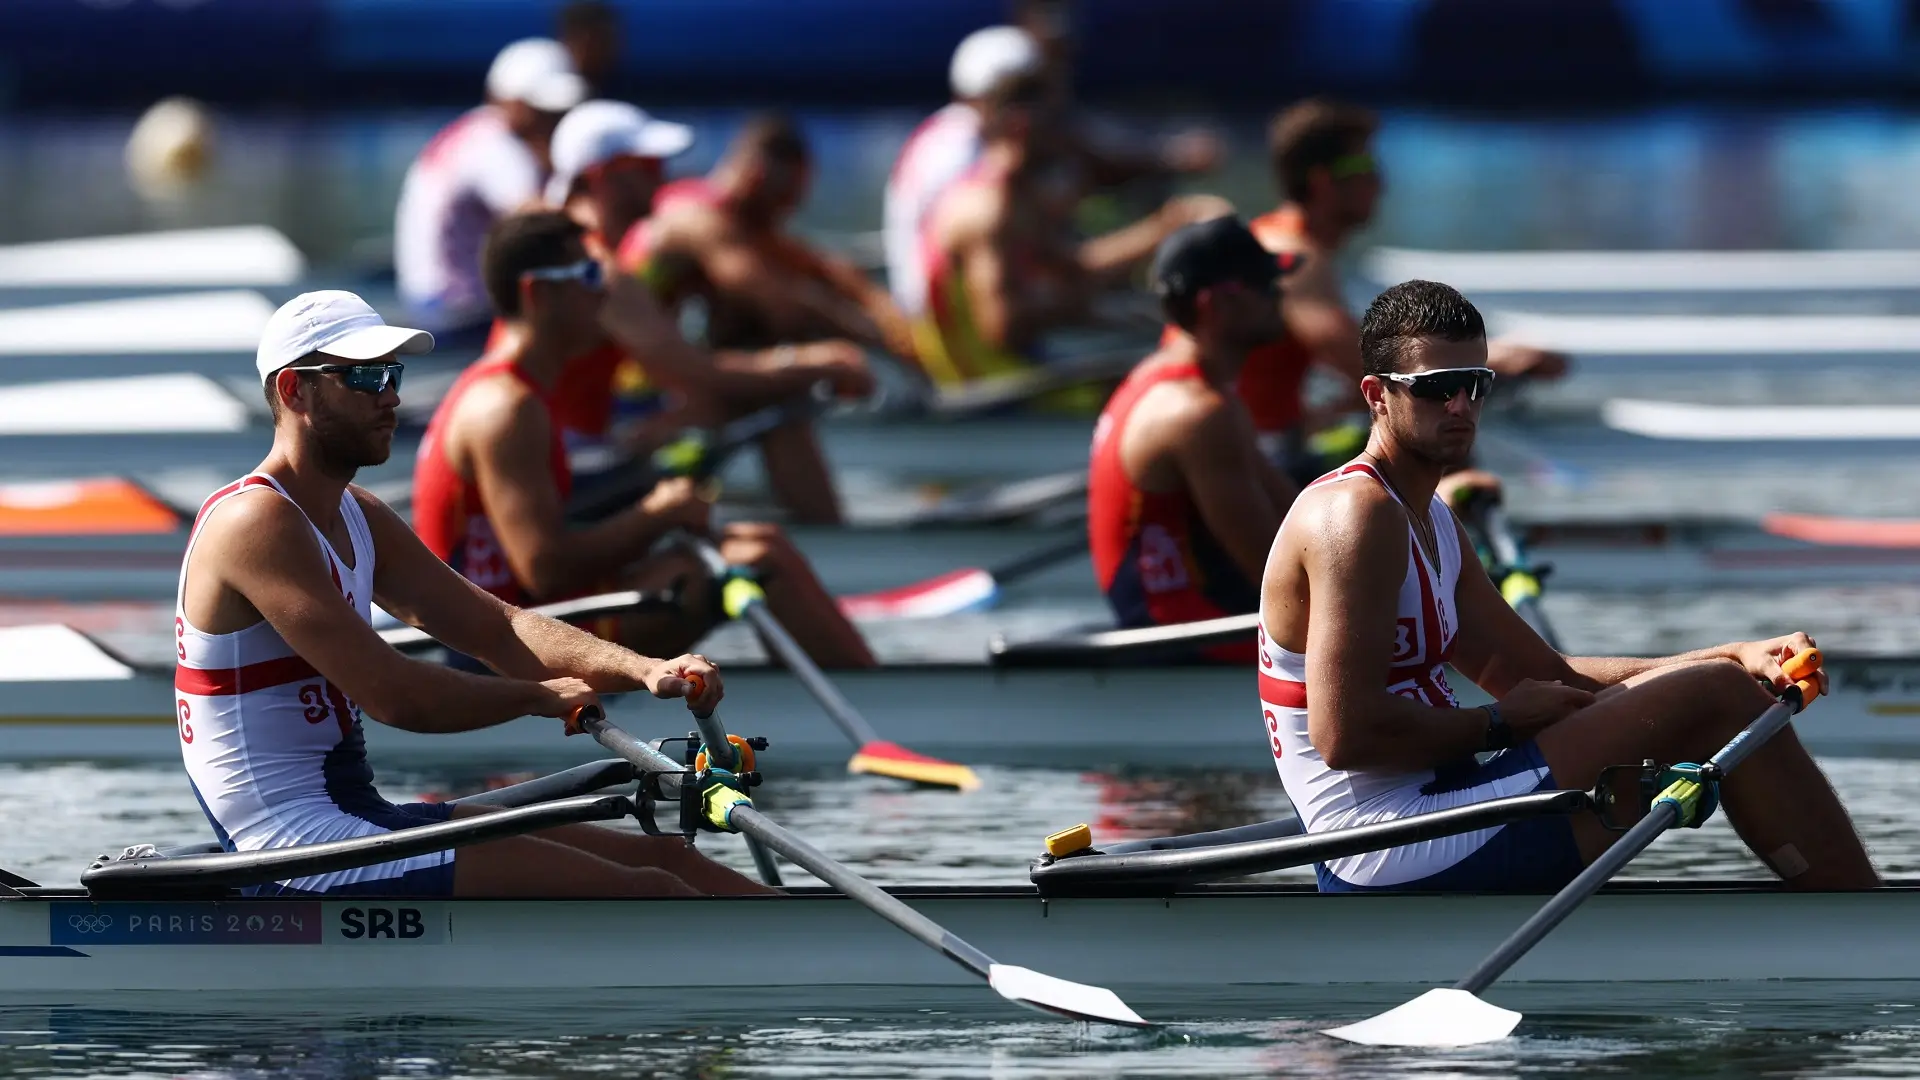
column 223, row 682
column 1282, row 692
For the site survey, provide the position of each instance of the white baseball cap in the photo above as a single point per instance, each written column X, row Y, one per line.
column 602, row 130
column 991, row 56
column 537, row 71
column 334, row 322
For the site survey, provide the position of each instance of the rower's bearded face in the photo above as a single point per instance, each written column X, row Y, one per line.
column 352, row 434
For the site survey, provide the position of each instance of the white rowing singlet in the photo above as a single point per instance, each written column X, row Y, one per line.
column 274, row 751
column 1426, row 624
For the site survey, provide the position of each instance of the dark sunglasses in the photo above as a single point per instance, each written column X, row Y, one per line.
column 1442, row 385
column 367, row 378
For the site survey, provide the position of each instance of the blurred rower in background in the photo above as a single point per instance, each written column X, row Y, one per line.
column 1003, row 264
column 645, row 381
column 490, row 161
column 492, row 478
column 590, row 31
column 1182, row 507
column 1330, row 185
column 763, row 286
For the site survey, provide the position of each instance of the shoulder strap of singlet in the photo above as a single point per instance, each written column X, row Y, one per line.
column 245, row 483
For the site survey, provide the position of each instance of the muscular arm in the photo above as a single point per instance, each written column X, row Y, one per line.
column 505, row 438
column 423, row 591
column 646, row 331
column 263, row 549
column 1496, row 648
column 1355, row 555
column 800, row 303
column 1232, row 485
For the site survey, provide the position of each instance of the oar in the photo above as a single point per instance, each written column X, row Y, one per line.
column 1513, row 570
column 1456, row 1016
column 697, row 453
column 722, row 753
column 1076, row 1001
column 969, row 589
column 743, row 599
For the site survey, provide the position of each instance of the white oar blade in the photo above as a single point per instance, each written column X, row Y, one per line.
column 1074, row 1000
column 1444, row 1017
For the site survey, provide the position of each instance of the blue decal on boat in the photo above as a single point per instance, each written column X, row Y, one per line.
column 38, row 950
column 231, row 923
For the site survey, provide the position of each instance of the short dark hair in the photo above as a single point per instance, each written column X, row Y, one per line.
column 586, row 17
column 772, row 136
column 518, row 243
column 1408, row 312
column 1313, row 134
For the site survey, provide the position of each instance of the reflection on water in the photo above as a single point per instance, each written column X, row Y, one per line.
column 1648, row 1030
column 1668, row 178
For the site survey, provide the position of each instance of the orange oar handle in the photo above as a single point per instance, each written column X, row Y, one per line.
column 1804, row 669
column 576, row 720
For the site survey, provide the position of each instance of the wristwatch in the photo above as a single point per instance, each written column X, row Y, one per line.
column 1499, row 735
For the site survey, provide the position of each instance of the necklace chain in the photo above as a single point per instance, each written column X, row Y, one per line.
column 1423, row 527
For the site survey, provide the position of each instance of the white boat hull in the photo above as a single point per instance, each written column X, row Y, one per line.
column 1081, row 717
column 1213, row 938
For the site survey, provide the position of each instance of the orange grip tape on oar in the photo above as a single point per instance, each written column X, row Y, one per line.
column 576, row 720
column 1804, row 670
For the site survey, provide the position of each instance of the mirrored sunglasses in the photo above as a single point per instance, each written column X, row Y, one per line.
column 367, row 378
column 1443, row 384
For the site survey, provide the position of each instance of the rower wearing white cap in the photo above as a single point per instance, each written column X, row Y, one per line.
column 942, row 148
column 277, row 657
column 608, row 161
column 486, row 164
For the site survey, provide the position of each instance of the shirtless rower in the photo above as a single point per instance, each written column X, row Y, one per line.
column 1330, row 184
column 488, row 163
column 1003, row 267
column 1181, row 504
column 609, row 162
column 763, row 285
column 491, row 479
column 1367, row 577
column 278, row 662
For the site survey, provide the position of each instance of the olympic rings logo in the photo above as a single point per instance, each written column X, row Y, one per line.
column 90, row 924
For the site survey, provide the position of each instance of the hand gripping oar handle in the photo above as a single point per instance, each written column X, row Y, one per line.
column 1029, row 988
column 1804, row 670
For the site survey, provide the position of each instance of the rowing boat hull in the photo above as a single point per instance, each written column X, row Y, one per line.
column 1223, row 936
column 1076, row 717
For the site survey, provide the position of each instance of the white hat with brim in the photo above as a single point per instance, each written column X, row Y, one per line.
column 599, row 131
column 990, row 57
column 335, row 324
column 539, row 72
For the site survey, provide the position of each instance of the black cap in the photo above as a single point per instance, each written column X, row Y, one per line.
column 1207, row 253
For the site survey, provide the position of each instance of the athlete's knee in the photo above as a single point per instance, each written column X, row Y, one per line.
column 763, row 547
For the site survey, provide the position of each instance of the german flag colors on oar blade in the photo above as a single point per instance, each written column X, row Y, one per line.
column 882, row 758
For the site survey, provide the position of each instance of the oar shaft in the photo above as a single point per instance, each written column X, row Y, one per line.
column 1661, row 818
column 838, row 708
column 1035, row 562
column 879, row 901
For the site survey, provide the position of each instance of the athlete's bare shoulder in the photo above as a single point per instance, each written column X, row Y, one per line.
column 1344, row 514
